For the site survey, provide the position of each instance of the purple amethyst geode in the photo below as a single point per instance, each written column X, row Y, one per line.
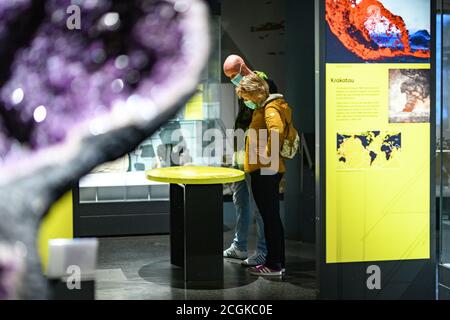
column 129, row 61
column 73, row 99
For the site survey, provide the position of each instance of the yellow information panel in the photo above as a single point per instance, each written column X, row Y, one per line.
column 194, row 107
column 377, row 162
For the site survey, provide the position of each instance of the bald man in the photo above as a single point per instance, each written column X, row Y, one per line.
column 235, row 68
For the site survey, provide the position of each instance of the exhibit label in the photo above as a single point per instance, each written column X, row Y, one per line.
column 378, row 100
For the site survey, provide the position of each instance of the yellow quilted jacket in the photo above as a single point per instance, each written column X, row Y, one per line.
column 270, row 119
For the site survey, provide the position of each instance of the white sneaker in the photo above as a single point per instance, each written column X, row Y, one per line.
column 235, row 253
column 255, row 260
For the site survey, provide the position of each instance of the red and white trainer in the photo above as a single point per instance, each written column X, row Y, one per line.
column 264, row 271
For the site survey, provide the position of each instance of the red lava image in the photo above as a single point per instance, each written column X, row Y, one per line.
column 355, row 25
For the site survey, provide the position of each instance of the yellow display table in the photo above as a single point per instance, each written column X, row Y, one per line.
column 195, row 175
column 196, row 218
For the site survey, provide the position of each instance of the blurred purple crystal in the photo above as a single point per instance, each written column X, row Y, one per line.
column 63, row 77
column 11, row 271
column 73, row 99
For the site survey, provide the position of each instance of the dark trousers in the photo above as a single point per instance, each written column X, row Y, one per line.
column 267, row 197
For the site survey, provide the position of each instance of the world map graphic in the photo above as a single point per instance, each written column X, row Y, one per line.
column 368, row 149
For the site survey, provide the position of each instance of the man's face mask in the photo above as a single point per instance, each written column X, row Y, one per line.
column 238, row 78
column 250, row 104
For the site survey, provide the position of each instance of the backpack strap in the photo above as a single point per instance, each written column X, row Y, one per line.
column 282, row 113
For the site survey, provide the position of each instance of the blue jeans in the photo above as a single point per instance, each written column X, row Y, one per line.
column 245, row 205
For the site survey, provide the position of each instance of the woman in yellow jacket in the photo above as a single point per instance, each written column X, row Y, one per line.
column 262, row 160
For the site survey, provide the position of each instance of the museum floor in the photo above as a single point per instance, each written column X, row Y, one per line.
column 138, row 268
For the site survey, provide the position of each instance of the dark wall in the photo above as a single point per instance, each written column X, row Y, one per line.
column 299, row 196
column 214, row 6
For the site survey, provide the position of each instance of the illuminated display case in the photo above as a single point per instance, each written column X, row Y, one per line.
column 117, row 199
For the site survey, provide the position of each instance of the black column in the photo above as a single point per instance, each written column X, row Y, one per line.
column 203, row 238
column 177, row 225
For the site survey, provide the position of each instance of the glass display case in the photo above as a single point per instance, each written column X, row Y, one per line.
column 443, row 144
column 122, row 183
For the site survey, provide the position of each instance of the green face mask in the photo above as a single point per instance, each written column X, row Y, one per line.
column 251, row 104
column 237, row 80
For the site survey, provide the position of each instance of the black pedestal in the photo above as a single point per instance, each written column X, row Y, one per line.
column 196, row 231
